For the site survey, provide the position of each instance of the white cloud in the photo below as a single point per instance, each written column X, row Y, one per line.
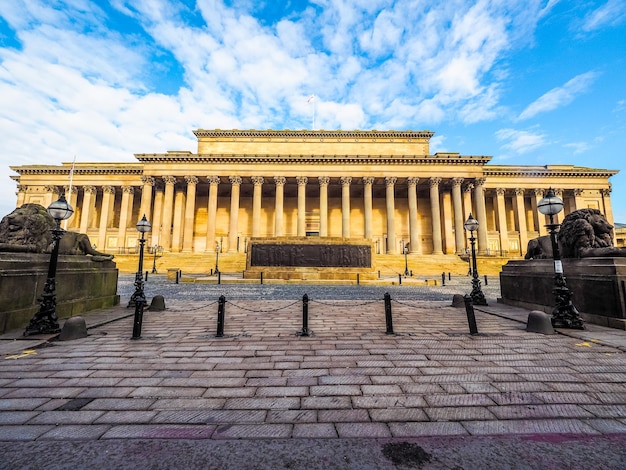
column 578, row 147
column 561, row 96
column 520, row 142
column 612, row 13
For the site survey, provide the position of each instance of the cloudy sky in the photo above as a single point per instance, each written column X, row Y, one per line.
column 527, row 82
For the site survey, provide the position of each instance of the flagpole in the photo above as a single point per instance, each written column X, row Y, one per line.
column 69, row 196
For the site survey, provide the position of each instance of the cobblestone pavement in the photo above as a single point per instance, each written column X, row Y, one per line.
column 348, row 396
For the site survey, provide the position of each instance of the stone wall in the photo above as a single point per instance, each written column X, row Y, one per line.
column 81, row 285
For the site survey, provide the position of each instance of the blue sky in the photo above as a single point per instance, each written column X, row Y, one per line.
column 526, row 82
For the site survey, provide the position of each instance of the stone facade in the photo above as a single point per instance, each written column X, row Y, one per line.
column 382, row 186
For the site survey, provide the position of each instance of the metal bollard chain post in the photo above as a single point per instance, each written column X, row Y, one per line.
column 305, row 317
column 388, row 317
column 221, row 306
column 471, row 319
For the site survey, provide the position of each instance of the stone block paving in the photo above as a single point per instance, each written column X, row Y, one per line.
column 348, row 379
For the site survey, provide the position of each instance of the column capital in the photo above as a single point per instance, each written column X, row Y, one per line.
column 235, row 180
column 51, row 188
column 148, row 180
column 257, row 180
column 480, row 181
column 606, row 192
column 468, row 188
column 434, row 181
column 368, row 180
column 280, row 180
column 128, row 189
column 457, row 181
column 559, row 193
column 390, row 180
column 21, row 188
column 500, row 191
column 323, row 180
column 191, row 179
column 108, row 189
column 74, row 189
column 169, row 179
column 538, row 192
column 412, row 181
column 519, row 191
column 89, row 189
column 213, row 179
column 346, row 180
column 578, row 192
column 302, row 180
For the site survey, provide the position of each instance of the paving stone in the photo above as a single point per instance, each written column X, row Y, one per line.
column 253, row 431
column 380, row 389
column 23, row 432
column 327, row 403
column 343, row 416
column 362, row 430
column 159, row 431
column 291, row 416
column 15, row 404
column 540, row 411
column 607, row 411
column 231, row 392
column 66, row 417
column 210, row 416
column 398, row 414
column 344, row 380
column 335, row 390
column 262, row 403
column 397, row 401
column 282, row 391
column 469, row 399
column 426, row 429
column 168, row 392
column 466, row 413
column 527, row 426
column 16, row 417
column 314, row 430
column 126, row 417
column 111, row 404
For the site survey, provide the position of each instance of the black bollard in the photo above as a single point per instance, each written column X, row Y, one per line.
column 261, row 278
column 471, row 319
column 221, row 306
column 388, row 318
column 305, row 316
column 411, row 273
column 358, row 279
column 399, row 279
column 219, row 277
column 443, row 279
column 449, row 276
column 211, row 273
column 486, row 283
column 177, row 276
column 146, row 276
column 379, row 274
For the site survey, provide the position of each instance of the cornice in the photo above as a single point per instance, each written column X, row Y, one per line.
column 120, row 169
column 315, row 159
column 291, row 134
column 547, row 171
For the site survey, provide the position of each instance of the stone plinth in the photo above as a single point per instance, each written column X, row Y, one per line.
column 598, row 286
column 81, row 285
column 310, row 258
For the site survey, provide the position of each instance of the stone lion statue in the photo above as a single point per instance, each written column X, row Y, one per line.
column 584, row 233
column 27, row 229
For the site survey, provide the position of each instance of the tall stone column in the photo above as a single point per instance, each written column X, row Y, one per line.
column 414, row 236
column 520, row 216
column 168, row 210
column 390, row 200
column 467, row 210
column 214, row 182
column 233, row 228
column 21, row 194
column 345, row 206
column 539, row 219
column 578, row 203
column 279, row 229
column 459, row 220
column 108, row 198
column 126, row 209
column 367, row 206
column 302, row 180
column 89, row 205
column 501, row 214
column 481, row 215
column 178, row 218
column 447, row 219
column 71, row 195
column 146, row 197
column 323, row 181
column 257, row 196
column 190, row 213
column 558, row 218
column 435, row 211
column 606, row 205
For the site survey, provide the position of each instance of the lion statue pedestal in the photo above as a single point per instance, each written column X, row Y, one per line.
column 594, row 269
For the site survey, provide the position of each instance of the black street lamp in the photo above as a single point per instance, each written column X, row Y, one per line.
column 564, row 314
column 217, row 257
column 406, row 260
column 138, row 299
column 46, row 320
column 478, row 298
column 154, row 269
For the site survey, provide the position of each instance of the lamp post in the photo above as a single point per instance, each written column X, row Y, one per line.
column 478, row 298
column 406, row 260
column 138, row 299
column 154, row 269
column 45, row 320
column 217, row 257
column 564, row 314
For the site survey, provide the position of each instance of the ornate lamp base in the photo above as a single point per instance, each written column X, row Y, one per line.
column 565, row 314
column 45, row 321
column 478, row 298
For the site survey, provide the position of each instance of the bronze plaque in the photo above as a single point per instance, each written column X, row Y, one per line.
column 311, row 255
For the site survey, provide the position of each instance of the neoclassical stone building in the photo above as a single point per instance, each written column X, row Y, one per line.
column 382, row 186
